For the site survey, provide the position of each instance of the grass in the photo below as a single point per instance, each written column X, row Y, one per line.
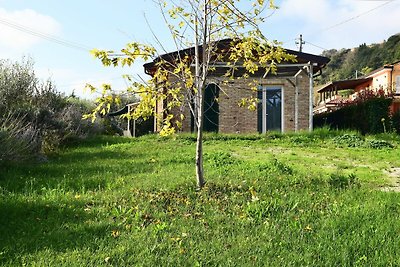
column 275, row 200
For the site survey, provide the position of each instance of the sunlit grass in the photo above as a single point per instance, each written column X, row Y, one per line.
column 288, row 200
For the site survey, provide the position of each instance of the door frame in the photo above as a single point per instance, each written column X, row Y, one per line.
column 264, row 89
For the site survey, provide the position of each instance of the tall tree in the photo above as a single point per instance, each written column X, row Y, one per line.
column 181, row 77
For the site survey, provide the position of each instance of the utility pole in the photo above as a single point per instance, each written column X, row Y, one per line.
column 300, row 42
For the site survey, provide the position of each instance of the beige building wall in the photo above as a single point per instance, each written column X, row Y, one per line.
column 396, row 78
column 382, row 80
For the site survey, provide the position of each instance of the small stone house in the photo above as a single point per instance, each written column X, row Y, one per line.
column 285, row 98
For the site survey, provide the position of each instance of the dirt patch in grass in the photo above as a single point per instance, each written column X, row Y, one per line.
column 394, row 174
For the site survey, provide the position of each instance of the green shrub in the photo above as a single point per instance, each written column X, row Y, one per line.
column 370, row 115
column 353, row 140
column 71, row 119
column 43, row 117
column 349, row 140
column 396, row 121
column 18, row 140
column 379, row 144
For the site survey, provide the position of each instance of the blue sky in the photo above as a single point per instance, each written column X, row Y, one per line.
column 85, row 24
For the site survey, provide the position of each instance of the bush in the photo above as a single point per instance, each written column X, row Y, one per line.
column 396, row 121
column 367, row 116
column 379, row 144
column 353, row 140
column 18, row 140
column 73, row 124
column 34, row 116
column 349, row 140
column 17, row 86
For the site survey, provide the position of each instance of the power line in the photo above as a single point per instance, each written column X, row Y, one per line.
column 354, row 17
column 48, row 37
column 317, row 46
column 342, row 22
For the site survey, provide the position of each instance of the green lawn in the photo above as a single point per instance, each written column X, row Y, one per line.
column 275, row 200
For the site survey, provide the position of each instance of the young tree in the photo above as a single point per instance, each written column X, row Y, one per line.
column 181, row 77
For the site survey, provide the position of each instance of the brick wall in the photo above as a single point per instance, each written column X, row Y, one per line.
column 235, row 119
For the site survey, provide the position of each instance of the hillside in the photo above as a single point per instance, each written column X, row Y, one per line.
column 346, row 62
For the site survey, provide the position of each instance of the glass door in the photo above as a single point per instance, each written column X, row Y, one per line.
column 274, row 109
column 270, row 109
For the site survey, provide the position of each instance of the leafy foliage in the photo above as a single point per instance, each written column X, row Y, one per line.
column 353, row 140
column 349, row 140
column 367, row 115
column 216, row 32
column 379, row 144
column 34, row 117
column 396, row 121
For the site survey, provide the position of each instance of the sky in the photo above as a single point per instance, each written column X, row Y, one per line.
column 58, row 35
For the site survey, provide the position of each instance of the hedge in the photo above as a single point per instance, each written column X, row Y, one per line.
column 370, row 116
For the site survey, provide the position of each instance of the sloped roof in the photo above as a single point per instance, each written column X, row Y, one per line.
column 302, row 58
column 123, row 110
column 386, row 66
column 390, row 67
column 343, row 84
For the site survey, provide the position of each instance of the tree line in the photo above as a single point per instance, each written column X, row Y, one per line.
column 349, row 63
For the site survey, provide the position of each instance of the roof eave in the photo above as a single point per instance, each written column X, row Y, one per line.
column 301, row 57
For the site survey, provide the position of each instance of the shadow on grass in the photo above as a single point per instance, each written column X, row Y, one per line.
column 97, row 141
column 90, row 170
column 30, row 227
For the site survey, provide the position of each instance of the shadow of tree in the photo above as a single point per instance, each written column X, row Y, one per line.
column 76, row 170
column 31, row 226
column 97, row 141
column 32, row 218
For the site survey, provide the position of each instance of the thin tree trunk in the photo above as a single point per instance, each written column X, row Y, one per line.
column 199, row 143
column 200, row 95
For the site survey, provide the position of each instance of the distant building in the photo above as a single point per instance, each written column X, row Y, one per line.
column 385, row 80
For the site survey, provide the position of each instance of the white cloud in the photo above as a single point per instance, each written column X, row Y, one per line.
column 341, row 23
column 16, row 28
